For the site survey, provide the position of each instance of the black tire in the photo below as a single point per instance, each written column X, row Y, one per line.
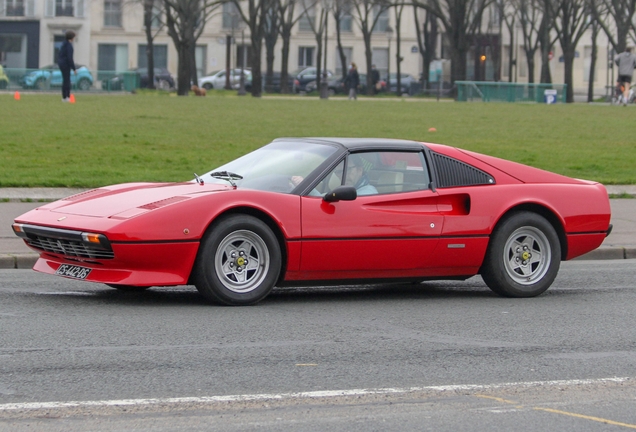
column 128, row 288
column 84, row 84
column 40, row 84
column 239, row 261
column 208, row 86
column 523, row 256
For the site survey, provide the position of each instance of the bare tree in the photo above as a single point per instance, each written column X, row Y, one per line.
column 152, row 13
column 317, row 27
column 287, row 20
column 367, row 14
column 426, row 39
column 185, row 20
column 254, row 15
column 530, row 15
column 545, row 39
column 570, row 25
column 622, row 14
column 341, row 9
column 508, row 17
column 462, row 20
column 272, row 30
column 596, row 27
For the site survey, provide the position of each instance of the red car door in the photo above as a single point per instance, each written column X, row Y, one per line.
column 390, row 233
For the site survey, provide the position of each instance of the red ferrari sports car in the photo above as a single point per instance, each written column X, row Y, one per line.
column 324, row 211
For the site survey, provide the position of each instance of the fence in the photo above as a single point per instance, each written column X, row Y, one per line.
column 507, row 92
column 50, row 78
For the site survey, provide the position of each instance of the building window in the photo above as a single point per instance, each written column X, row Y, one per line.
column 64, row 8
column 111, row 59
column 383, row 20
column 305, row 56
column 57, row 44
column 200, row 59
column 308, row 17
column 14, row 8
column 231, row 16
column 346, row 19
column 380, row 58
column 112, row 13
column 160, row 56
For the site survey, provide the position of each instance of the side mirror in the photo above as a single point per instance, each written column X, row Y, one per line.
column 341, row 193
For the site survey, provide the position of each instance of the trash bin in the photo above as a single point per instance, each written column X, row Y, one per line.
column 550, row 96
column 131, row 81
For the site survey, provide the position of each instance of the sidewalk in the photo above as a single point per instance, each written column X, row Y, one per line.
column 14, row 254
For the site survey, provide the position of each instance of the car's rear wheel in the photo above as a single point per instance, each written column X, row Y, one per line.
column 208, row 86
column 163, row 85
column 128, row 288
column 239, row 261
column 523, row 256
column 84, row 84
column 40, row 84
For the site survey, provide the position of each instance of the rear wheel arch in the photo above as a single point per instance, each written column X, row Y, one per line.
column 548, row 214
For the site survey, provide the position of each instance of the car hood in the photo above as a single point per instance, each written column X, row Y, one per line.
column 128, row 200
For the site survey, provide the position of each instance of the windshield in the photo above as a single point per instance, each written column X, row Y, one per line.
column 272, row 167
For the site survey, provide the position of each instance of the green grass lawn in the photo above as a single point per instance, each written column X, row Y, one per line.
column 122, row 138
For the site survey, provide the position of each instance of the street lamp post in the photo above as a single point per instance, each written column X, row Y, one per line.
column 324, row 84
column 389, row 34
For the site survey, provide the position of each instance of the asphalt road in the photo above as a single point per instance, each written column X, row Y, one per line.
column 71, row 352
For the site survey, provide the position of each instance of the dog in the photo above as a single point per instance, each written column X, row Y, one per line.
column 198, row 91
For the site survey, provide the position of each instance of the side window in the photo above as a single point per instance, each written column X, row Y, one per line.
column 330, row 182
column 392, row 172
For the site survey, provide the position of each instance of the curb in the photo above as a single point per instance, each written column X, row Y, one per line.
column 18, row 261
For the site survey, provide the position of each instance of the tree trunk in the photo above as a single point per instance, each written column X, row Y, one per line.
column 590, row 84
column 149, row 43
column 341, row 54
column 568, row 77
column 284, row 69
column 183, row 74
column 368, row 55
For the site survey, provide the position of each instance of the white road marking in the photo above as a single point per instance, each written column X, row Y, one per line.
column 300, row 395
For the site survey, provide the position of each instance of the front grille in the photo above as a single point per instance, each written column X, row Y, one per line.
column 68, row 248
column 70, row 243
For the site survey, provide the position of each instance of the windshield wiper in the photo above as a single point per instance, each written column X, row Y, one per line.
column 228, row 176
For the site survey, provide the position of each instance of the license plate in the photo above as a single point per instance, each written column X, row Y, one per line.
column 73, row 271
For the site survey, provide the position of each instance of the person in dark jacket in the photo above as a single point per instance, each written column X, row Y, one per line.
column 353, row 81
column 66, row 64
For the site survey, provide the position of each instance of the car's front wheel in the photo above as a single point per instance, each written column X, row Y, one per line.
column 84, row 84
column 239, row 261
column 523, row 256
column 208, row 86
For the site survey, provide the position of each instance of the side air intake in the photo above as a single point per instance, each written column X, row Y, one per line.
column 451, row 173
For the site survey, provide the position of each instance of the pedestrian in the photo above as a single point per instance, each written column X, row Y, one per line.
column 66, row 63
column 626, row 62
column 375, row 78
column 353, row 80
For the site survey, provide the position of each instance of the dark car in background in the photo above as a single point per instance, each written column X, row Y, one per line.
column 405, row 83
column 275, row 86
column 138, row 78
column 306, row 75
column 338, row 85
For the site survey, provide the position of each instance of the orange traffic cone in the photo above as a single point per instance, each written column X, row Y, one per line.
column 72, row 99
column 16, row 95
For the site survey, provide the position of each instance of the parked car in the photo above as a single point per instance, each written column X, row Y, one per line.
column 216, row 80
column 305, row 75
column 405, row 83
column 312, row 210
column 275, row 87
column 338, row 85
column 163, row 80
column 51, row 76
column 4, row 79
